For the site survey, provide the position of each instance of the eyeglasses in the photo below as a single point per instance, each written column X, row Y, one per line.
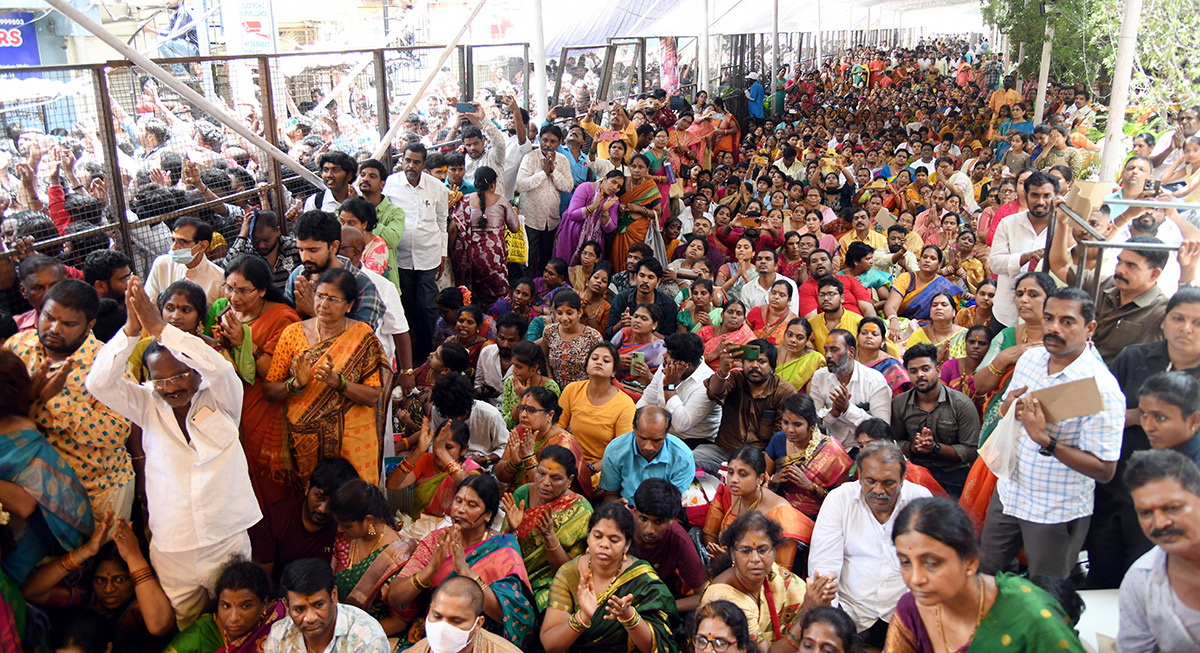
column 240, row 292
column 322, row 297
column 119, row 580
column 700, row 642
column 183, row 242
column 531, row 409
column 162, row 384
column 762, row 551
column 829, row 295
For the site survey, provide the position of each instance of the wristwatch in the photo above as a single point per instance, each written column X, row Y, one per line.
column 1048, row 450
column 937, row 448
column 669, row 387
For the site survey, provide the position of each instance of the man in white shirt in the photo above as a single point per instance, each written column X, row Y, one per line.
column 852, row 538
column 678, row 386
column 516, row 145
column 187, row 260
column 757, row 292
column 479, row 152
column 198, row 487
column 495, row 360
column 453, row 398
column 789, row 163
column 844, row 386
column 422, row 253
column 1019, row 245
column 338, row 171
column 544, row 175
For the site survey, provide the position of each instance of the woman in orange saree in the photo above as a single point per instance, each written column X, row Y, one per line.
column 328, row 369
column 639, row 205
column 727, row 133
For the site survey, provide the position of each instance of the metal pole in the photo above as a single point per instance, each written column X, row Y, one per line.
column 818, row 41
column 537, row 44
column 702, row 85
column 381, row 102
column 1120, row 89
column 168, row 79
column 275, row 176
column 108, row 136
column 775, row 104
column 1044, row 75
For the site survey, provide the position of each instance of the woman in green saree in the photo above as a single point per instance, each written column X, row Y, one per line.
column 549, row 520
column 951, row 606
column 606, row 601
column 469, row 548
column 367, row 551
column 244, row 616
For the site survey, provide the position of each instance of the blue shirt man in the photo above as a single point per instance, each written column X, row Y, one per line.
column 647, row 451
column 754, row 97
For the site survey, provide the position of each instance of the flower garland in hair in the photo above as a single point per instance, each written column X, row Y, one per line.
column 466, row 295
column 4, row 516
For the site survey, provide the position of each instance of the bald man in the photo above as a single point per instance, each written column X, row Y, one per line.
column 648, row 451
column 455, row 621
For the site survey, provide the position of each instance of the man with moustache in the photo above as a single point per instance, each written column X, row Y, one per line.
column 372, row 175
column 852, row 539
column 1160, row 591
column 647, row 274
column 855, row 297
column 1046, row 506
column 847, row 392
column 750, row 399
column 302, row 526
column 318, row 237
column 317, row 620
column 197, row 480
column 280, row 251
column 544, row 175
column 1165, row 225
column 495, row 360
column 896, row 258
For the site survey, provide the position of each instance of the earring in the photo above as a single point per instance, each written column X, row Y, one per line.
column 371, row 530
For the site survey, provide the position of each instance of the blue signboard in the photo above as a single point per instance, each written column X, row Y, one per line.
column 18, row 40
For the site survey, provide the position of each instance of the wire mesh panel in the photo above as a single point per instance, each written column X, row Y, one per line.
column 499, row 70
column 430, row 119
column 624, row 70
column 576, row 76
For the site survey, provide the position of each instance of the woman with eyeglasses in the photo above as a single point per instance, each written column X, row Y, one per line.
column 720, row 627
column 606, row 600
column 327, row 368
column 549, row 520
column 770, row 595
column 250, row 319
column 537, row 413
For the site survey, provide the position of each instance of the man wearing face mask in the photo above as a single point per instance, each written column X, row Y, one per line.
column 197, row 480
column 455, row 622
column 187, row 260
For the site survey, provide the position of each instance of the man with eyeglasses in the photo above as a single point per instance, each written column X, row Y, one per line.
column 188, row 260
column 197, row 480
column 833, row 315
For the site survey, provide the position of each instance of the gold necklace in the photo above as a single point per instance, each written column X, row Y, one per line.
column 813, row 441
column 937, row 612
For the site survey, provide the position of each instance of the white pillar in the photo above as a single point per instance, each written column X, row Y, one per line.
column 537, row 44
column 1044, row 74
column 818, row 62
column 776, row 110
column 1111, row 156
column 702, row 84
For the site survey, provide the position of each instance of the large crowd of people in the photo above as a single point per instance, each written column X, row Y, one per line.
column 652, row 375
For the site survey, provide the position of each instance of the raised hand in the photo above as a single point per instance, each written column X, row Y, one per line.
column 586, row 595
column 302, row 370
column 325, row 374
column 620, row 608
column 460, row 556
column 425, row 437
column 515, row 513
column 99, row 536
column 127, row 543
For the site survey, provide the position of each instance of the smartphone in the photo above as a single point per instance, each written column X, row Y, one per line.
column 1154, row 186
column 464, row 107
column 638, row 357
column 607, row 106
column 746, row 352
column 565, row 112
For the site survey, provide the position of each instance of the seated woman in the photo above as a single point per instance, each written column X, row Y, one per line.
column 367, row 551
column 544, row 287
column 567, row 342
column 469, row 548
column 641, row 349
column 469, row 333
column 1002, row 612
column 745, row 490
column 798, row 361
column 981, row 311
column 720, row 624
column 803, row 463
column 874, row 351
column 875, row 429
column 824, row 628
column 770, row 320
column 595, row 410
column 700, row 309
column 444, row 359
column 528, row 371
column 538, row 413
column 740, row 269
column 681, row 272
column 593, row 301
column 605, row 600
column 519, row 301
column 731, row 328
column 435, row 475
column 959, row 372
column 328, row 369
column 47, row 505
column 941, row 329
column 246, row 610
column 748, row 576
column 913, row 291
column 119, row 585
column 550, row 521
column 963, row 265
column 590, row 254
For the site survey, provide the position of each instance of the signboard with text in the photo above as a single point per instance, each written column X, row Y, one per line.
column 18, row 40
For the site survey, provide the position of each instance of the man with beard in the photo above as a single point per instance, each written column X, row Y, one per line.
column 847, row 392
column 318, row 236
column 544, row 175
column 260, row 236
column 833, row 315
column 58, row 356
column 108, row 271
column 896, row 258
column 317, row 621
column 495, row 360
column 198, row 489
column 478, row 152
column 422, row 252
column 1159, row 594
column 855, row 297
column 1019, row 246
column 936, row 426
column 647, row 274
column 659, row 539
column 1046, row 505
column 301, row 526
column 337, row 171
column 852, row 539
column 390, row 226
column 750, row 400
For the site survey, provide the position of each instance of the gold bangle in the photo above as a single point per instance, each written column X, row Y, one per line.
column 553, row 548
column 632, row 622
column 418, row 583
column 995, row 370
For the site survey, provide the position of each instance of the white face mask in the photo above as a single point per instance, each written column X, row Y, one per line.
column 444, row 637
